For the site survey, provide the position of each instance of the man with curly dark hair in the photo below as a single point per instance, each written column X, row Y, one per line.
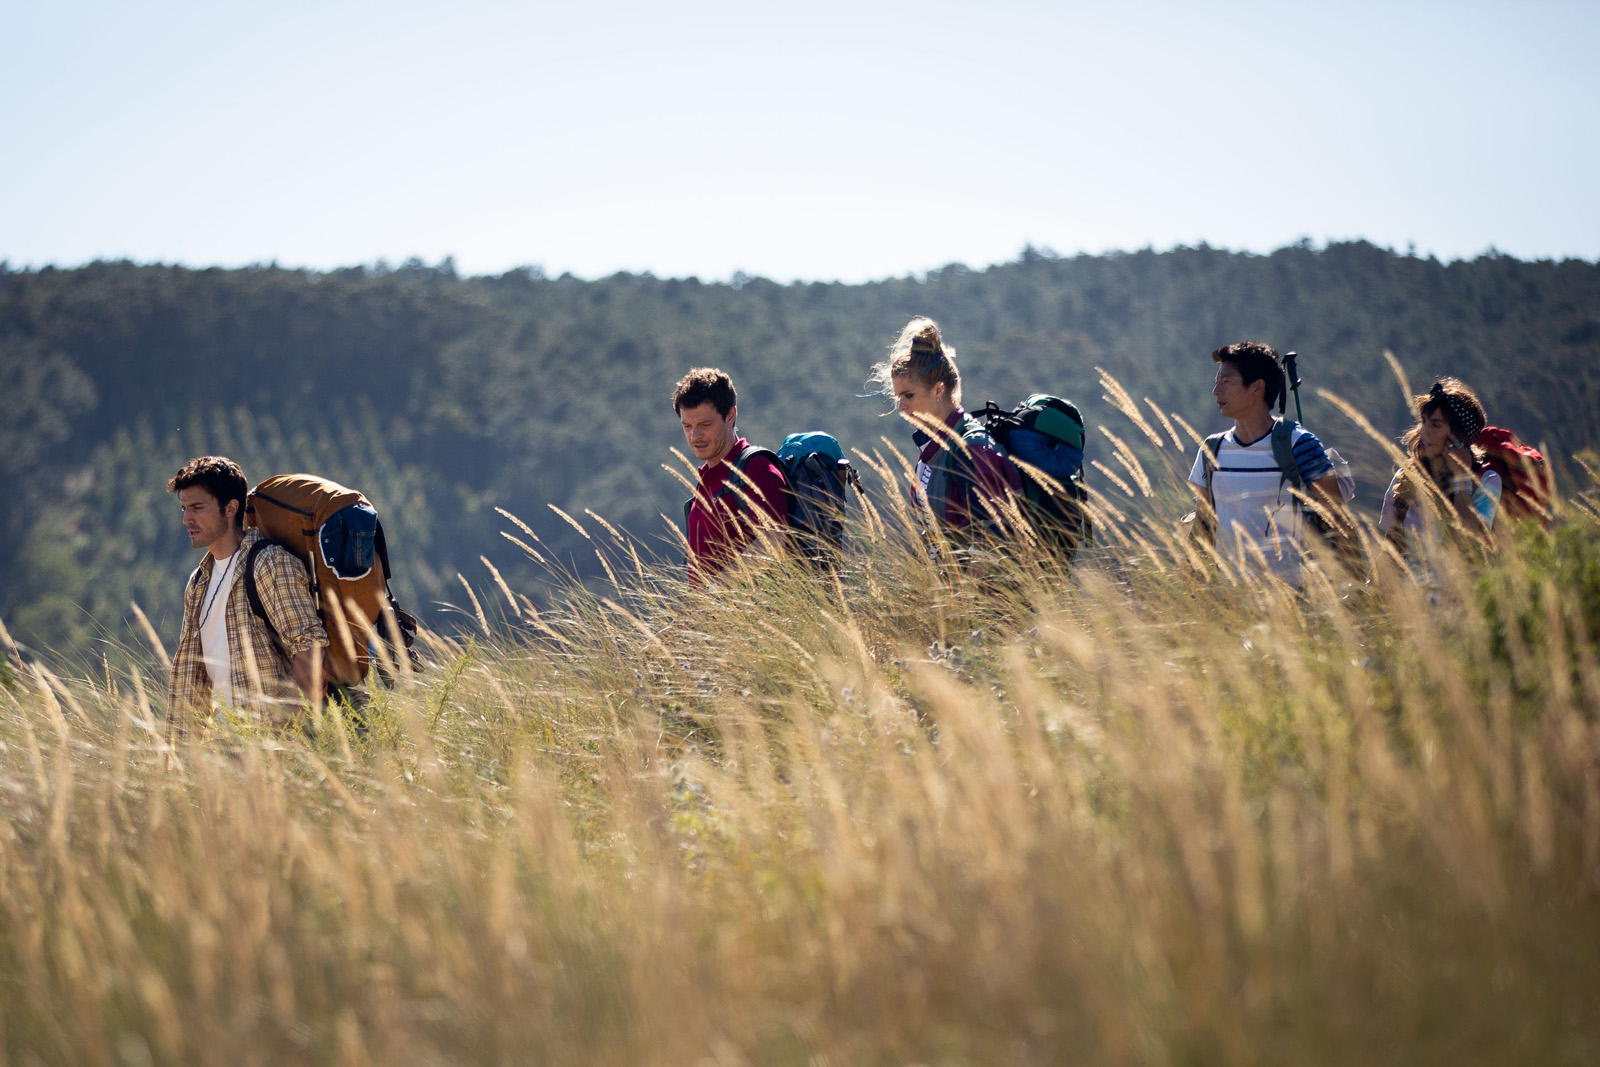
column 227, row 659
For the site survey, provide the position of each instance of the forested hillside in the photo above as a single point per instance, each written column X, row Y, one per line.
column 445, row 397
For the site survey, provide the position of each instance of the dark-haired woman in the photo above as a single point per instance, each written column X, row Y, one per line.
column 1445, row 466
column 962, row 484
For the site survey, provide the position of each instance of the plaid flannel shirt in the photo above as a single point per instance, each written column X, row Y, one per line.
column 257, row 670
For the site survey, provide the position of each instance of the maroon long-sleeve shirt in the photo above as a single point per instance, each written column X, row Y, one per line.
column 718, row 534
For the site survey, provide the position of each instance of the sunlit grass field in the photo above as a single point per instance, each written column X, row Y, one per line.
column 1149, row 809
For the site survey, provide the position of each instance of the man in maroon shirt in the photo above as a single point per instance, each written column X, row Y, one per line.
column 727, row 509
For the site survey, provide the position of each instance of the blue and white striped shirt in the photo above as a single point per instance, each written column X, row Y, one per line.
column 1255, row 508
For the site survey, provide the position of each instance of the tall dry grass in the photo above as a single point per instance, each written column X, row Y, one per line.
column 1142, row 811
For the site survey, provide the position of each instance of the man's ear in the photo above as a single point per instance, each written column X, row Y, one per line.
column 230, row 510
column 733, row 413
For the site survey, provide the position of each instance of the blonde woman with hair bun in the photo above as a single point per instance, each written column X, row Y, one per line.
column 962, row 485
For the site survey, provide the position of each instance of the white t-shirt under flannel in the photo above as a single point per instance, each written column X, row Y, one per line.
column 214, row 628
column 1254, row 504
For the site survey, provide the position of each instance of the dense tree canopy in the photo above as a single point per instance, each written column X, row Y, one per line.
column 445, row 397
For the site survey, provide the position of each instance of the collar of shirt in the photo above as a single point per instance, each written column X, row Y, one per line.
column 208, row 562
column 712, row 475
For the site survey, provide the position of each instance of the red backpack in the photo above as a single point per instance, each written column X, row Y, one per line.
column 1526, row 487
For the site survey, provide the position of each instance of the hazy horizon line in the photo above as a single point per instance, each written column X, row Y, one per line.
column 738, row 278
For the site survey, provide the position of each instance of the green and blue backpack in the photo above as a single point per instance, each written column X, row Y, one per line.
column 1046, row 433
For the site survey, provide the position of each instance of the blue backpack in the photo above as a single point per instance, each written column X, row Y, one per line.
column 818, row 475
column 1046, row 433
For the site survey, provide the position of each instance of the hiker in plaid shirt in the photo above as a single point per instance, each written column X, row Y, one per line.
column 226, row 657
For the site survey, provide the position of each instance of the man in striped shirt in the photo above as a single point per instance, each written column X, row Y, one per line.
column 1245, row 495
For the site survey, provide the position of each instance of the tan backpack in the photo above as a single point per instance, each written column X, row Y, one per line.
column 335, row 532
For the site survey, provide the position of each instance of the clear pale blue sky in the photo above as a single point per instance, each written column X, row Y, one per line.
column 811, row 140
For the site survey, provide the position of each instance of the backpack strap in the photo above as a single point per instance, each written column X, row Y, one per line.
column 998, row 422
column 253, row 594
column 383, row 554
column 1213, row 449
column 729, row 489
column 751, row 452
column 1282, row 435
column 741, row 462
column 969, row 429
column 1283, row 453
column 1210, row 453
column 404, row 621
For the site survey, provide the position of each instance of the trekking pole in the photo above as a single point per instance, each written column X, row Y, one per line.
column 1292, row 371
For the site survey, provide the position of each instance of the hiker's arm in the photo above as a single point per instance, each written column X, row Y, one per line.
column 1203, row 524
column 286, row 597
column 997, row 475
column 188, row 684
column 1396, row 514
column 981, row 481
column 1459, row 485
column 1200, row 481
column 1486, row 498
column 300, row 670
column 1347, row 545
column 771, row 493
column 764, row 504
column 1325, row 491
column 1475, row 498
